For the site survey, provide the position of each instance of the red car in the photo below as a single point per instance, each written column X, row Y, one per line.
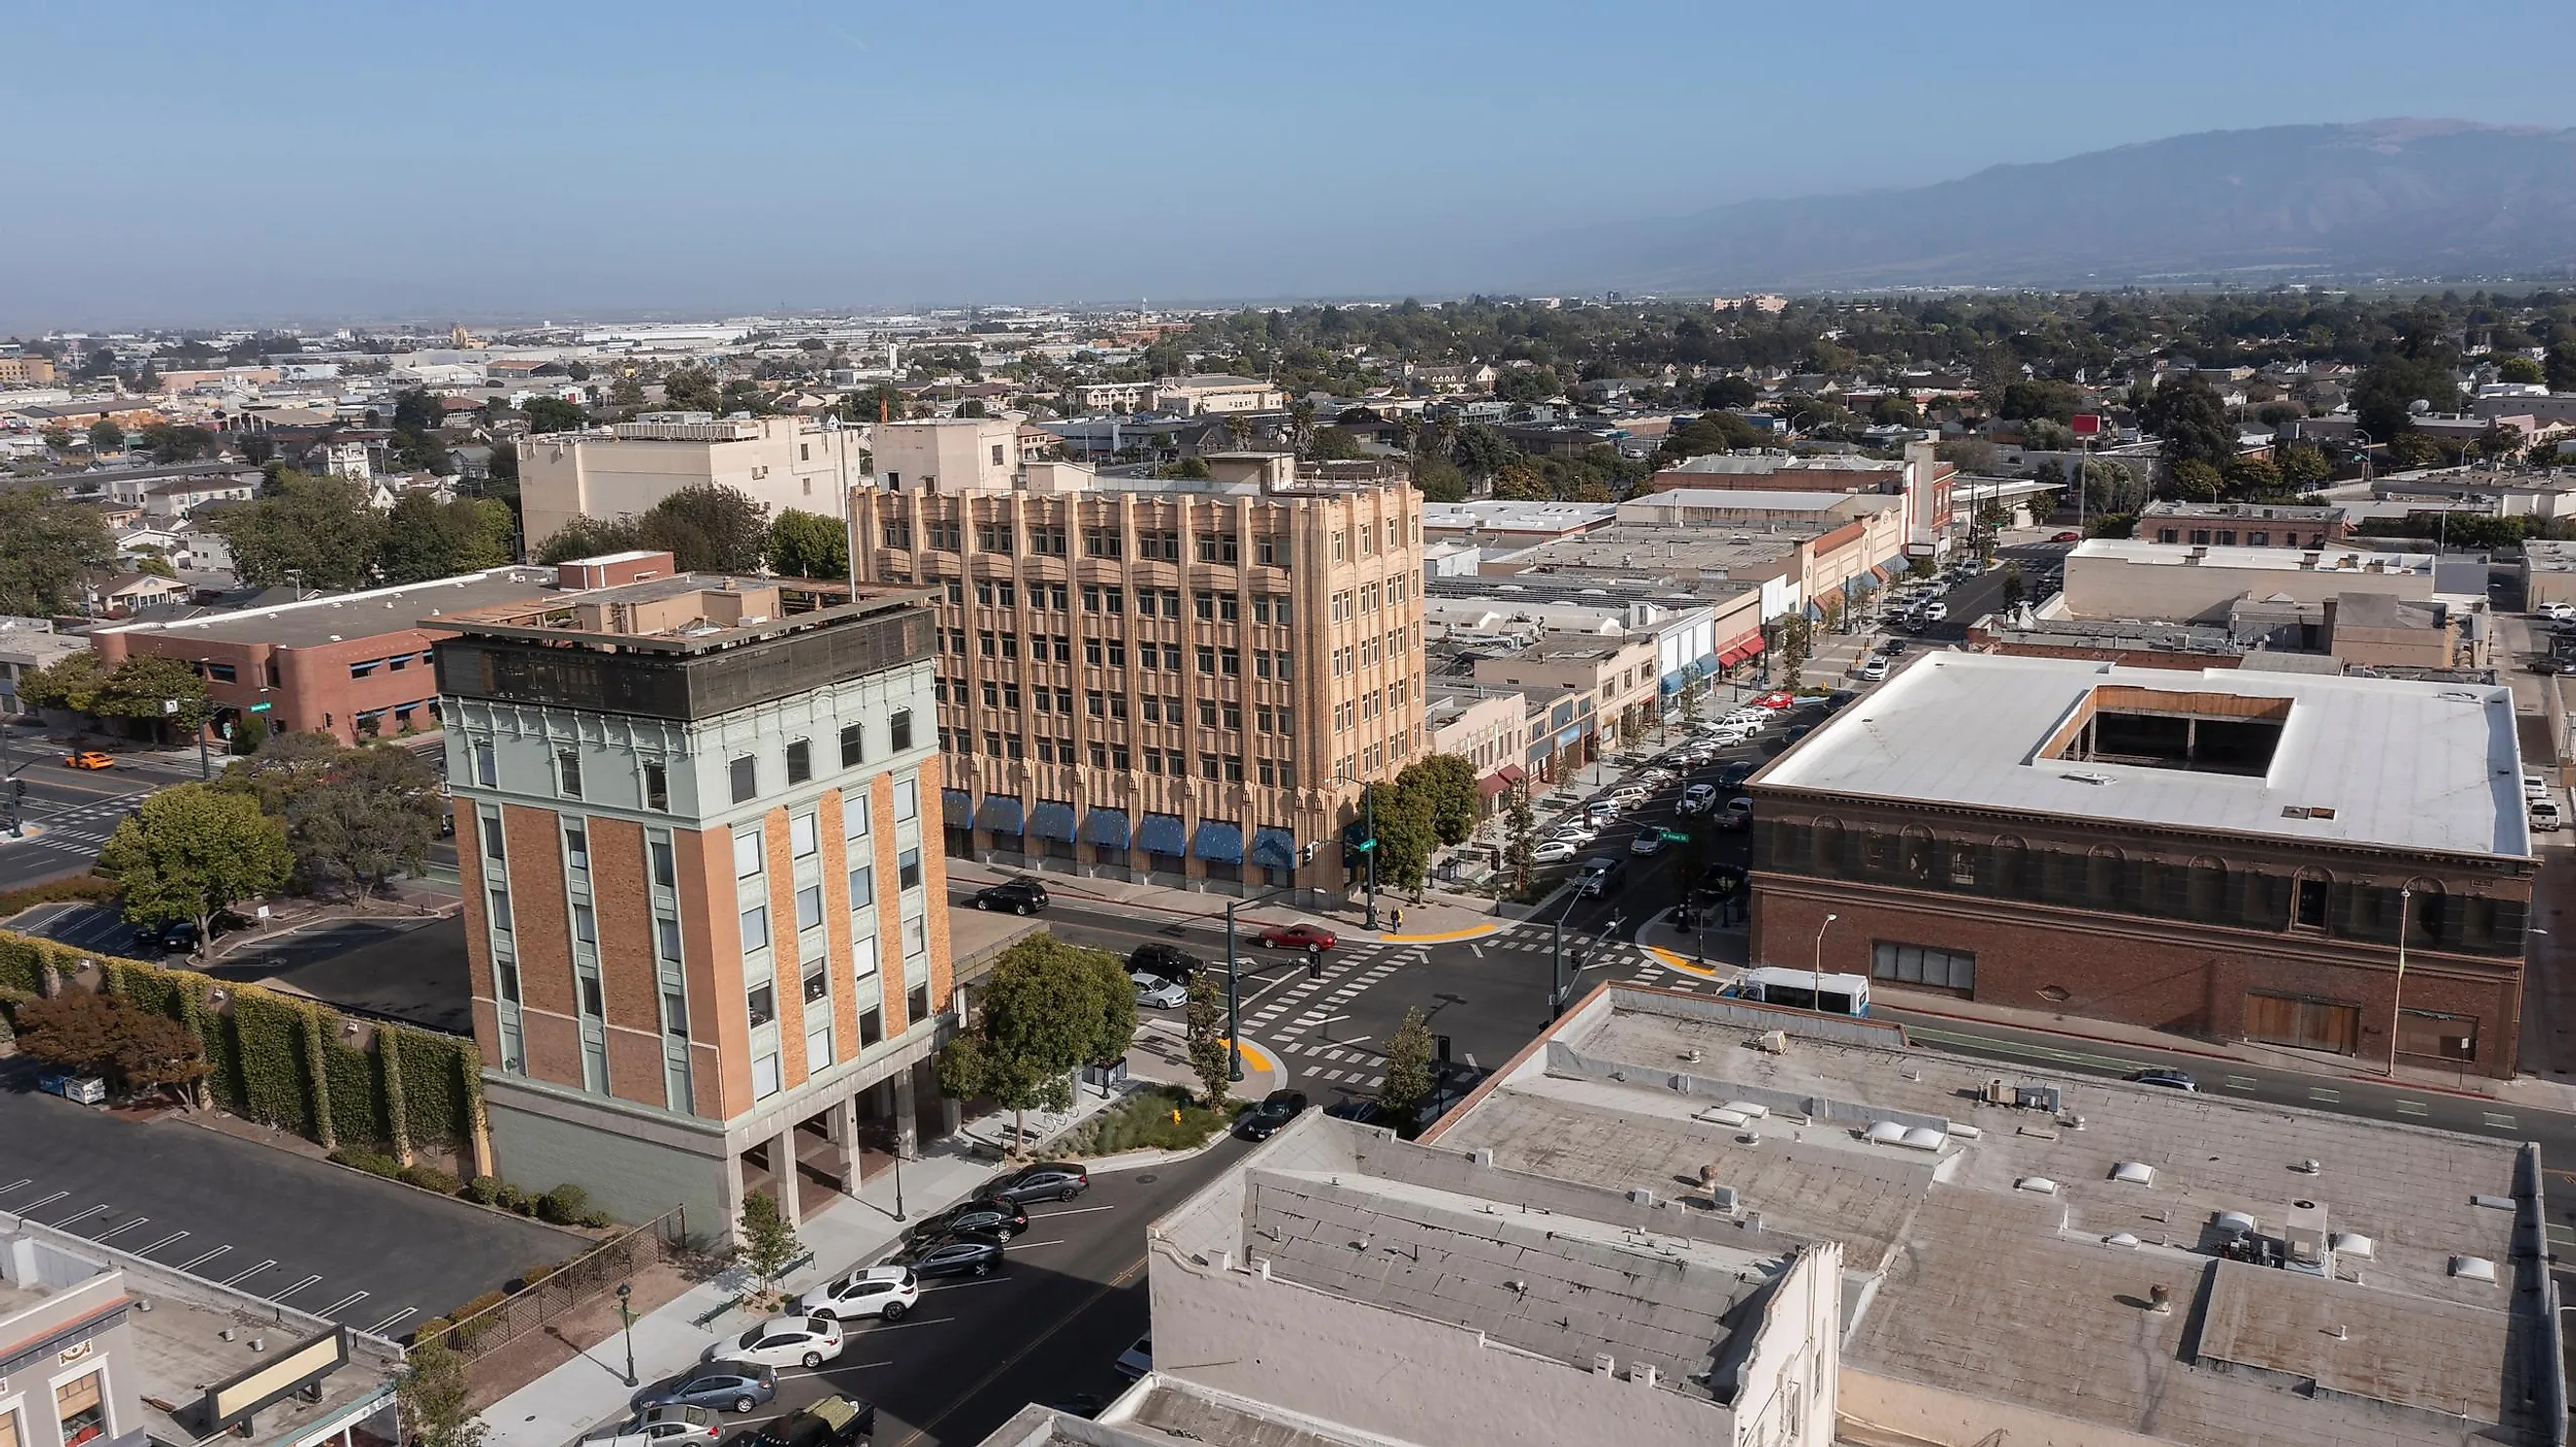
column 1776, row 700
column 1297, row 937
column 2067, row 538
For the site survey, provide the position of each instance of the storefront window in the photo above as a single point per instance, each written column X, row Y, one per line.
column 82, row 1410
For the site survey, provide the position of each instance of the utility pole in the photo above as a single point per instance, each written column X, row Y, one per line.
column 1234, row 972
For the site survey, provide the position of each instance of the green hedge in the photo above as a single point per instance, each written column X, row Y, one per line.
column 261, row 1065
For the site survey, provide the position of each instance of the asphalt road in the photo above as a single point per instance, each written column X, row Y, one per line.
column 375, row 1255
column 76, row 809
column 1069, row 1298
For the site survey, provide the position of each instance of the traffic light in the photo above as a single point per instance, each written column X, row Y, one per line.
column 1356, row 843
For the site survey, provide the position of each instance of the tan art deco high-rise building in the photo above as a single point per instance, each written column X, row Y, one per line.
column 1158, row 679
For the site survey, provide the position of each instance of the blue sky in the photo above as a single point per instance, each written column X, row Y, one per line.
column 248, row 162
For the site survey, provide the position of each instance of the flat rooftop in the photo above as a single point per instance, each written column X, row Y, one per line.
column 2008, row 1255
column 1726, row 499
column 1516, row 517
column 1650, row 553
column 2549, row 555
column 2417, row 766
column 342, row 616
column 2332, row 558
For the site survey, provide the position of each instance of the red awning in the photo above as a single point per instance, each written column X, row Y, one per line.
column 1753, row 646
column 1730, row 658
column 1499, row 780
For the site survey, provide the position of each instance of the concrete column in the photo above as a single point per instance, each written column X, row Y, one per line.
column 845, row 1127
column 906, row 1131
column 782, row 1164
column 733, row 1195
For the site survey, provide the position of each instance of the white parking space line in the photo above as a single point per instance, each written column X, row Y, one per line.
column 68, row 1222
column 823, row 1371
column 1029, row 1245
column 379, row 1328
column 13, row 1185
column 1068, row 1211
column 290, row 1291
column 1359, row 1040
column 1477, row 950
column 47, row 1201
column 164, row 1241
column 236, row 1280
column 120, row 1230
column 909, row 1322
column 192, row 1265
column 961, row 1285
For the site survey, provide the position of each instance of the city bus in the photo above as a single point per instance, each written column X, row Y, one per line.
column 1797, row 990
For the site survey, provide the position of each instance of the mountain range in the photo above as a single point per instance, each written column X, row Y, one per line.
column 2390, row 198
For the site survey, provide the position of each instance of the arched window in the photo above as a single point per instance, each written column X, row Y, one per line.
column 1826, row 849
column 2431, row 921
column 2206, row 899
column 2308, row 898
column 2102, row 872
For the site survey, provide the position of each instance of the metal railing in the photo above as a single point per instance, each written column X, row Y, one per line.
column 595, row 1272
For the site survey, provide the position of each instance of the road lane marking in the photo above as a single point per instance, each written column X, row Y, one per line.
column 2319, row 1092
column 1477, row 950
column 164, row 1241
column 2413, row 1107
column 352, row 1299
column 202, row 1260
column 120, row 1230
column 1068, row 1211
column 2498, row 1120
column 236, row 1280
column 909, row 1323
column 2242, row 1082
column 825, row 1371
column 1015, row 1358
column 1031, row 1245
column 2019, row 1047
column 379, row 1328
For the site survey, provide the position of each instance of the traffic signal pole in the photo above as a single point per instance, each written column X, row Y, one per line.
column 1234, row 980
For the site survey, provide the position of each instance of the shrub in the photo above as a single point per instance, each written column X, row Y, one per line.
column 55, row 891
column 531, row 1275
column 563, row 1206
column 483, row 1190
column 430, row 1330
column 429, row 1178
column 374, row 1163
column 512, row 1198
column 597, row 1220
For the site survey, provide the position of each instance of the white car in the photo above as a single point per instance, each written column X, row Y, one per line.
column 1650, row 842
column 1630, row 796
column 1577, row 831
column 2535, row 786
column 1158, row 992
column 1873, row 670
column 1699, row 797
column 786, row 1341
column 672, row 1426
column 2558, row 612
column 1554, row 851
column 1935, row 612
column 886, row 1291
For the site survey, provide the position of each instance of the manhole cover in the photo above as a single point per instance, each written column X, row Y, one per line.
column 1147, row 1179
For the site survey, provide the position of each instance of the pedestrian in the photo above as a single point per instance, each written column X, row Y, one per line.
column 1399, row 919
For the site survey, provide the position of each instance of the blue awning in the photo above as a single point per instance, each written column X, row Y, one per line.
column 1162, row 834
column 1052, row 819
column 1863, row 583
column 1274, row 847
column 957, row 807
column 1106, row 828
column 1219, row 841
column 1570, row 737
column 998, row 814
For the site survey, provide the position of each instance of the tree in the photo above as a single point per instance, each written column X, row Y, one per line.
column 1047, row 1009
column 879, row 403
column 2520, row 369
column 1728, row 392
column 2385, row 393
column 1405, row 836
column 2411, row 450
column 808, row 545
column 319, row 528
column 1482, row 451
column 1520, row 839
column 2193, row 480
column 105, row 436
column 70, row 682
column 1408, row 1068
column 2559, row 368
column 418, row 410
column 2014, row 588
column 372, row 814
column 1333, row 444
column 1796, row 633
column 75, row 1029
column 767, row 1244
column 140, row 686
column 171, row 444
column 691, row 389
column 1447, row 786
column 1211, row 1059
column 2302, row 466
column 425, row 538
column 1439, row 480
column 627, row 391
column 435, row 1397
column 587, row 537
column 191, row 850
column 708, row 528
column 2253, row 477
column 46, row 544
column 2190, row 422
column 2501, row 442
column 553, row 414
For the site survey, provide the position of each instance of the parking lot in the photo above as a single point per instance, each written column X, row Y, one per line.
column 374, row 1255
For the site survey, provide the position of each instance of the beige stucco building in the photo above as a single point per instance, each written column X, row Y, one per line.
column 1150, row 678
column 781, row 462
column 2121, row 578
column 1619, row 675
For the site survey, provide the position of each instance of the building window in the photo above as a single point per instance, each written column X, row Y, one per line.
column 666, row 873
column 82, row 1409
column 568, row 773
column 804, row 835
column 585, row 925
column 2311, row 910
column 898, row 536
column 1099, row 543
column 666, row 937
column 863, row 956
column 907, row 866
column 500, row 902
column 899, row 729
column 747, row 851
column 755, row 928
column 764, row 1076
column 1047, row 540
column 871, row 1026
column 916, row 937
column 505, row 983
column 993, row 537
column 484, row 770
column 746, row 779
column 577, row 846
column 800, row 760
column 863, row 886
column 1923, row 965
column 657, row 787
column 916, row 1004
column 853, row 745
column 907, row 799
column 809, row 907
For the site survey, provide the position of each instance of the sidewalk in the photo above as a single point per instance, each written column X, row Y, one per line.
column 588, row 1391
column 1440, row 916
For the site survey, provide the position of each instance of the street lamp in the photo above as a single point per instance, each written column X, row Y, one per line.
column 2397, row 995
column 1234, row 973
column 1368, row 826
column 1817, row 984
column 626, row 1314
column 898, row 1173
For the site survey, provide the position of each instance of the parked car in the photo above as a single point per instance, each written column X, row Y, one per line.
column 1580, row 830
column 1630, row 796
column 1738, row 814
column 2544, row 814
column 2535, row 786
column 1839, row 697
column 1554, row 851
column 718, row 1386
column 1894, row 647
column 2169, row 1079
column 1935, row 612
column 832, row 1422
column 786, row 1341
column 88, row 759
column 1651, row 842
column 1792, row 736
column 881, row 1291
column 964, row 1253
column 1169, row 961
column 1019, row 896
column 1600, row 811
column 1873, row 670
column 1359, row 1110
column 1159, row 993
column 2067, row 538
column 1275, row 1110
column 1137, row 1360
column 1699, row 798
column 1299, row 936
column 2557, row 612
column 1046, row 1181
column 668, row 1427
column 1601, row 876
column 991, row 1218
column 1734, row 774
column 1776, row 700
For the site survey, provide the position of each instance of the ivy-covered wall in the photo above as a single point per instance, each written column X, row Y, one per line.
column 261, row 1053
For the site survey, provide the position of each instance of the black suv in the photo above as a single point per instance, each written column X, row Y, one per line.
column 1275, row 1110
column 831, row 1422
column 1048, row 1181
column 992, row 1218
column 966, row 1253
column 1019, row 896
column 1170, row 962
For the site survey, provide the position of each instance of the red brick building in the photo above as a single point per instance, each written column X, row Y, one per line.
column 2294, row 859
column 348, row 664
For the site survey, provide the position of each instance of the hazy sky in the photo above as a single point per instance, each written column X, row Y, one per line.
column 271, row 161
